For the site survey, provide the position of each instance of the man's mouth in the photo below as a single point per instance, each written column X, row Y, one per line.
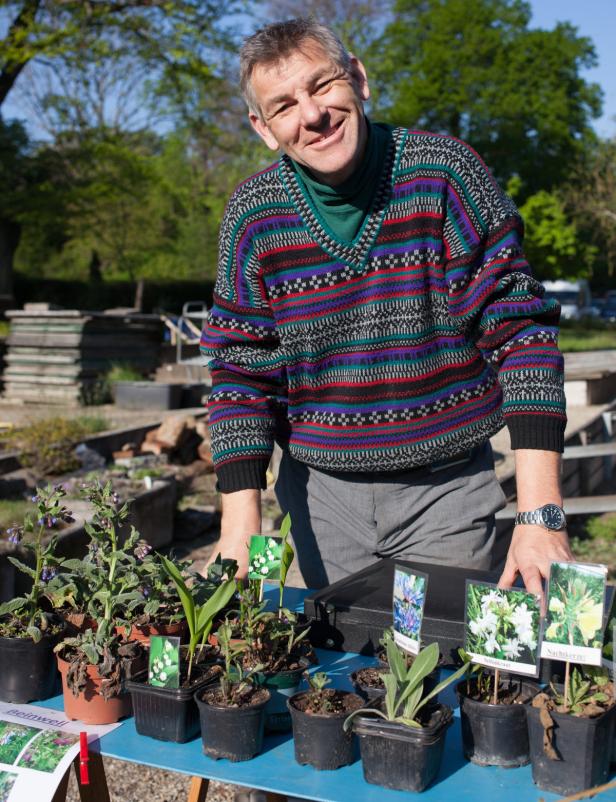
column 325, row 135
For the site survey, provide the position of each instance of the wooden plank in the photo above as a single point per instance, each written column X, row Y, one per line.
column 580, row 505
column 591, row 450
column 97, row 789
column 198, row 789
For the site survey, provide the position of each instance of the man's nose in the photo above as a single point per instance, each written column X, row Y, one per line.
column 311, row 111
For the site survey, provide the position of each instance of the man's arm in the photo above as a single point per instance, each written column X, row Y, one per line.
column 241, row 518
column 532, row 547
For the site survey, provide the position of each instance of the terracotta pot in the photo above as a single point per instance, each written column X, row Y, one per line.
column 142, row 632
column 89, row 706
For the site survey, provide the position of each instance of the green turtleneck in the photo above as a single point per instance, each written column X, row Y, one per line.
column 344, row 207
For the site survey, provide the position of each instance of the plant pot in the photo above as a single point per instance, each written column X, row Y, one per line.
column 235, row 733
column 584, row 744
column 142, row 632
column 167, row 714
column 28, row 670
column 147, row 395
column 400, row 757
column 367, row 692
column 495, row 734
column 281, row 687
column 89, row 706
column 320, row 740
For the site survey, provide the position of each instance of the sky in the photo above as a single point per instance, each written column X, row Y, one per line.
column 597, row 20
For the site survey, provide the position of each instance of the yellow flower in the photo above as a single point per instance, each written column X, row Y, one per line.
column 552, row 631
column 556, row 606
column 590, row 620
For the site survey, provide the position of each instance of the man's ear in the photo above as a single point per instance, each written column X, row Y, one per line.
column 264, row 132
column 360, row 78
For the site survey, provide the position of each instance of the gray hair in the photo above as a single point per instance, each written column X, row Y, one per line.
column 275, row 42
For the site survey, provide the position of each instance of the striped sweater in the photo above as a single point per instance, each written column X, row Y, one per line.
column 408, row 345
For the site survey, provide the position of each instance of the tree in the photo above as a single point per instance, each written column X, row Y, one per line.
column 474, row 69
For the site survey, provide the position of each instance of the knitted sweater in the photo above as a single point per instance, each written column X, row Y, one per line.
column 406, row 346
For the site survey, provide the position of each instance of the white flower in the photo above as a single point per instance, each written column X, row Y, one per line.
column 272, row 543
column 265, row 570
column 163, row 675
column 511, row 648
column 491, row 596
column 526, row 636
column 491, row 644
column 486, row 625
column 168, row 646
column 151, row 674
column 167, row 660
column 490, row 619
column 522, row 617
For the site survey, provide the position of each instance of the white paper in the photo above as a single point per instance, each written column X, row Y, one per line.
column 37, row 746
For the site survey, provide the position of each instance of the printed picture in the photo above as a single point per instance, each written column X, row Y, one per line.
column 7, row 781
column 264, row 558
column 502, row 627
column 574, row 620
column 164, row 664
column 45, row 752
column 609, row 636
column 409, row 595
column 13, row 738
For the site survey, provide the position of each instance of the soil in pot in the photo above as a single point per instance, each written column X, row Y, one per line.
column 368, row 682
column 170, row 714
column 319, row 738
column 235, row 733
column 28, row 670
column 496, row 734
column 401, row 757
column 578, row 749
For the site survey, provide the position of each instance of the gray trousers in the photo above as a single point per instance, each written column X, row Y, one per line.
column 343, row 522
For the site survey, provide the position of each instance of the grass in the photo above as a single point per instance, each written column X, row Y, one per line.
column 13, row 511
column 586, row 337
column 596, row 543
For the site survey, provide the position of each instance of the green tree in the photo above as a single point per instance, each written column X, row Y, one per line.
column 474, row 69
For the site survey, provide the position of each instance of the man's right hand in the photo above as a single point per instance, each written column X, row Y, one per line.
column 241, row 518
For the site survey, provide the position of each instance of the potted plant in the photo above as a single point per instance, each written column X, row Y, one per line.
column 570, row 733
column 170, row 714
column 233, row 713
column 28, row 631
column 318, row 715
column 401, row 741
column 95, row 663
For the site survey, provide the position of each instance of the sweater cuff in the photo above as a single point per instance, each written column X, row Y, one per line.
column 542, row 432
column 244, row 474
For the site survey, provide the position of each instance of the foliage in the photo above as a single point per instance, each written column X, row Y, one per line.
column 575, row 606
column 320, row 699
column 236, row 684
column 597, row 542
column 590, row 335
column 474, row 69
column 48, row 444
column 404, row 686
column 123, row 372
column 24, row 615
column 13, row 738
column 12, row 510
column 287, row 556
column 199, row 617
column 583, row 690
column 46, row 751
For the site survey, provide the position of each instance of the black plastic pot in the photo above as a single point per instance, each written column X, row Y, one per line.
column 168, row 714
column 400, row 757
column 584, row 745
column 28, row 670
column 235, row 733
column 320, row 740
column 281, row 686
column 495, row 735
column 369, row 693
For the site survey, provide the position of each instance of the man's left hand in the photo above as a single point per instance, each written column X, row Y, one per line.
column 532, row 550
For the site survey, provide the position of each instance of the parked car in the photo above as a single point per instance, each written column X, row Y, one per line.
column 574, row 298
column 608, row 308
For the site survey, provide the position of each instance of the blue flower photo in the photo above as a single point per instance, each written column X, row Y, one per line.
column 408, row 603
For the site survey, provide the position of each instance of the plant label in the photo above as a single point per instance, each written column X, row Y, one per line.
column 502, row 628
column 264, row 557
column 607, row 651
column 164, row 663
column 574, row 621
column 409, row 597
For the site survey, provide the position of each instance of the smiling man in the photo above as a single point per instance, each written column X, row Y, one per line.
column 374, row 314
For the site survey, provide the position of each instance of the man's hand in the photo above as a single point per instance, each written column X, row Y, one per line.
column 241, row 518
column 532, row 550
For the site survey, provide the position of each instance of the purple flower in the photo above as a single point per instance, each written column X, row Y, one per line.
column 15, row 534
column 142, row 549
column 146, row 591
column 48, row 573
column 35, row 499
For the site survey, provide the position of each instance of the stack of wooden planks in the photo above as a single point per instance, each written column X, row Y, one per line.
column 61, row 356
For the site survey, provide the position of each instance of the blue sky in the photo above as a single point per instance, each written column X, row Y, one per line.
column 597, row 20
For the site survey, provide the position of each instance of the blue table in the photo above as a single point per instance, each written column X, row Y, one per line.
column 275, row 769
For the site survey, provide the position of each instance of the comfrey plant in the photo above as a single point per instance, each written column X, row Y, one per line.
column 23, row 616
column 404, row 686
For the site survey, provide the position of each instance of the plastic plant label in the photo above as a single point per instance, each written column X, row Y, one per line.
column 409, row 597
column 164, row 663
column 264, row 557
column 502, row 627
column 607, row 651
column 574, row 621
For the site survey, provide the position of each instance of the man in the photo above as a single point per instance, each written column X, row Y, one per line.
column 374, row 313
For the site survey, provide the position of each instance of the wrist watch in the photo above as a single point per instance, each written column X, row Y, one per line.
column 550, row 516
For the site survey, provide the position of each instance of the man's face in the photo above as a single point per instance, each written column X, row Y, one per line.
column 313, row 111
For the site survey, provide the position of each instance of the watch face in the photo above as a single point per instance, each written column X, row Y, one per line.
column 552, row 516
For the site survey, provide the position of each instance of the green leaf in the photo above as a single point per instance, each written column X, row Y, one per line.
column 22, row 567
column 90, row 653
column 391, row 689
column 219, row 599
column 34, row 632
column 424, row 664
column 442, row 685
column 184, row 593
column 285, row 526
column 287, row 555
column 12, row 606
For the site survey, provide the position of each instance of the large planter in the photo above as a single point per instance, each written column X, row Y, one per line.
column 400, row 757
column 583, row 744
column 167, row 714
column 319, row 739
column 28, row 670
column 89, row 706
column 496, row 734
column 147, row 395
column 235, row 733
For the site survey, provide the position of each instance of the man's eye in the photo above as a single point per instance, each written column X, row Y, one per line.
column 324, row 85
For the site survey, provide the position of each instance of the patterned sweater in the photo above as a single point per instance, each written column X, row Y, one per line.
column 408, row 345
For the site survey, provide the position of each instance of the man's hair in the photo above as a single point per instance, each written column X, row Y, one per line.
column 277, row 41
